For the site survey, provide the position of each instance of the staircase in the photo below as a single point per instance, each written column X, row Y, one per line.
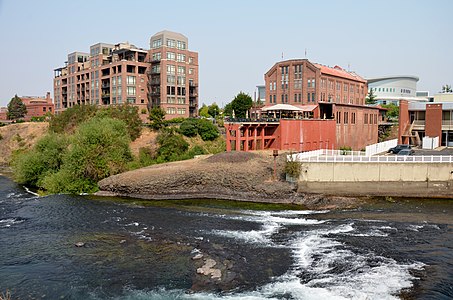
column 414, row 138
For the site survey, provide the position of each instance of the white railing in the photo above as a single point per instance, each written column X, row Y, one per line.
column 323, row 152
column 381, row 159
column 380, row 147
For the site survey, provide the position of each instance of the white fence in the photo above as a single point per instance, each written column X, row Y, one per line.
column 302, row 156
column 380, row 159
column 380, row 147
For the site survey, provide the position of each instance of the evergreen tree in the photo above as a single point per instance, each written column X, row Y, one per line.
column 446, row 89
column 156, row 116
column 370, row 98
column 16, row 109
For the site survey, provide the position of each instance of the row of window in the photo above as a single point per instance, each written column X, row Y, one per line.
column 390, row 90
column 174, row 100
column 174, row 110
column 351, row 117
column 179, row 80
column 297, row 98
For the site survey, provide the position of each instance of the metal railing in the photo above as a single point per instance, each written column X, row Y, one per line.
column 333, row 156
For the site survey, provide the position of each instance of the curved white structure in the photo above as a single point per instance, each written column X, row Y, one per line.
column 392, row 89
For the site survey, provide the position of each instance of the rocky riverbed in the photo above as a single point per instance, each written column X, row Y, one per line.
column 241, row 176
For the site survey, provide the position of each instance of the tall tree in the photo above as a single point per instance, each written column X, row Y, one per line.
column 203, row 111
column 213, row 110
column 16, row 109
column 241, row 104
column 447, row 89
column 371, row 97
column 228, row 110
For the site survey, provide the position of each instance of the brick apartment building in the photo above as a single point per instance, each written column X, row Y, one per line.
column 164, row 76
column 36, row 107
column 329, row 111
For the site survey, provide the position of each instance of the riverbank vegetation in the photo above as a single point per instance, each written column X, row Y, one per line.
column 85, row 144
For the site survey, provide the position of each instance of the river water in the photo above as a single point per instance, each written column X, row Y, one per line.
column 144, row 250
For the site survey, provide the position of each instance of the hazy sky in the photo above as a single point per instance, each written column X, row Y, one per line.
column 237, row 41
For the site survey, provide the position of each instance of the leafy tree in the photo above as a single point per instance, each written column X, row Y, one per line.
column 241, row 104
column 446, row 89
column 370, row 98
column 207, row 130
column 213, row 110
column 393, row 110
column 16, row 109
column 157, row 116
column 228, row 110
column 204, row 111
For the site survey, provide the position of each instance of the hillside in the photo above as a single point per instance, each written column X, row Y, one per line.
column 19, row 136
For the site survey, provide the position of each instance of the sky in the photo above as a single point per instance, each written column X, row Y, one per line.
column 237, row 41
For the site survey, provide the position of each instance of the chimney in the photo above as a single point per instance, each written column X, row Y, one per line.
column 48, row 96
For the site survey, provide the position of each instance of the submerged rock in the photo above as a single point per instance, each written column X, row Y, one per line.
column 80, row 244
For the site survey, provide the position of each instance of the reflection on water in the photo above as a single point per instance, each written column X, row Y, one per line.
column 145, row 250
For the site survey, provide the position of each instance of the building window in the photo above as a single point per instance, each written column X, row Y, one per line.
column 308, row 83
column 157, row 43
column 181, row 111
column 131, row 90
column 181, row 70
column 365, row 119
column 171, row 79
column 190, row 71
column 346, row 116
column 171, row 56
column 312, row 97
column 308, row 97
column 130, row 100
column 338, row 117
column 181, row 57
column 130, row 80
column 190, row 60
column 181, row 45
column 157, row 56
column 171, row 110
column 171, row 69
column 353, row 118
column 171, row 43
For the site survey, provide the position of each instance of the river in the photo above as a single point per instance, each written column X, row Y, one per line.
column 145, row 250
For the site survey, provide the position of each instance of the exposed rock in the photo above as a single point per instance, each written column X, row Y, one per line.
column 80, row 244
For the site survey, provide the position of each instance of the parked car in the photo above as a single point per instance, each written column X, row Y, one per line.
column 406, row 152
column 398, row 148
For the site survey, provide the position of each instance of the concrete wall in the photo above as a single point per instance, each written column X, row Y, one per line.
column 375, row 172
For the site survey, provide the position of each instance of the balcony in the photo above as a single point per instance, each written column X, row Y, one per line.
column 106, row 95
column 193, row 84
column 105, row 85
column 155, row 82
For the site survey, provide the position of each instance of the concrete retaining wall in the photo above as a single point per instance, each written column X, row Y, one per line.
column 378, row 179
column 358, row 172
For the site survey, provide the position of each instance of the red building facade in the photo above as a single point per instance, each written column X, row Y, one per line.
column 36, row 107
column 333, row 104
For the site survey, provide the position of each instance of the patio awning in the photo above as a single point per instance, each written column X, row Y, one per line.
column 280, row 107
column 306, row 107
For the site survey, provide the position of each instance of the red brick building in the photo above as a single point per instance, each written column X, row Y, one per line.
column 36, row 107
column 165, row 76
column 329, row 112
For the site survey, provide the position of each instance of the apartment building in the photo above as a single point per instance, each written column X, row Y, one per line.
column 113, row 74
column 311, row 106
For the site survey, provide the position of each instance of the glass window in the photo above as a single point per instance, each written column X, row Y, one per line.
column 181, row 57
column 171, row 69
column 131, row 80
column 171, row 56
column 157, row 43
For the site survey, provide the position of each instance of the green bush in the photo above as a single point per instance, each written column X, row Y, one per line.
column 128, row 114
column 45, row 157
column 174, row 121
column 99, row 148
column 189, row 127
column 171, row 146
column 207, row 130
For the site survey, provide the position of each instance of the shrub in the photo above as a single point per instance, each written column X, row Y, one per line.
column 292, row 167
column 189, row 127
column 99, row 148
column 207, row 130
column 126, row 113
column 45, row 157
column 69, row 119
column 156, row 116
column 171, row 146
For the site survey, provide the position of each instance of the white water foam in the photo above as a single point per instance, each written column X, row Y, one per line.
column 9, row 222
